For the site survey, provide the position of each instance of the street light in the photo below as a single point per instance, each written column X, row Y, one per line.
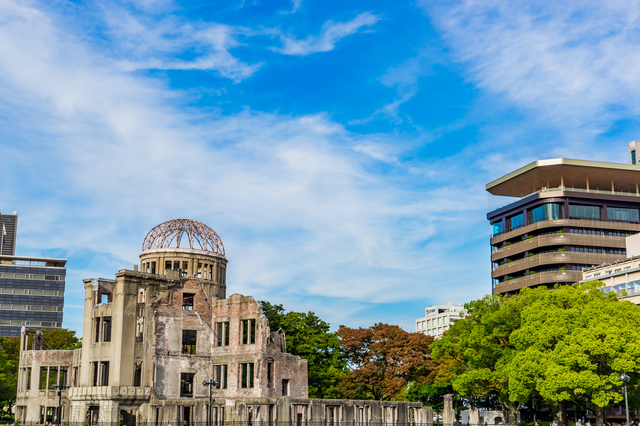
column 59, row 411
column 625, row 379
column 212, row 384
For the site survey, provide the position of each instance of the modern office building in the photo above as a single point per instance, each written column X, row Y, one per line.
column 569, row 215
column 8, row 228
column 31, row 288
column 438, row 318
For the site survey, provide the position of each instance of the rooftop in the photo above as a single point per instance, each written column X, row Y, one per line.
column 570, row 174
column 32, row 261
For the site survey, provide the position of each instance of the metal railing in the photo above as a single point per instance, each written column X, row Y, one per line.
column 263, row 423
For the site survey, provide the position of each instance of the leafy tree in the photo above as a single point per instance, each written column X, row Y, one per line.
column 61, row 339
column 480, row 352
column 573, row 344
column 8, row 380
column 309, row 337
column 383, row 360
column 10, row 358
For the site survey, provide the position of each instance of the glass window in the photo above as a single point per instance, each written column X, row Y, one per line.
column 551, row 211
column 497, row 228
column 622, row 214
column 584, row 212
column 516, row 221
column 633, row 157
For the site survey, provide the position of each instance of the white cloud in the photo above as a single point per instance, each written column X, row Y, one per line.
column 295, row 7
column 99, row 156
column 570, row 62
column 146, row 42
column 330, row 34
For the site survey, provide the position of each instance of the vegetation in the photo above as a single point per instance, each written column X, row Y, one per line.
column 553, row 346
column 10, row 358
column 383, row 360
column 309, row 337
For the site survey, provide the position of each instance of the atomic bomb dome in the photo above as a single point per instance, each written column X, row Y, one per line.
column 169, row 235
column 185, row 248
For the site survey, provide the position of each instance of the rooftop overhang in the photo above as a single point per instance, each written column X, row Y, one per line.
column 571, row 174
column 50, row 261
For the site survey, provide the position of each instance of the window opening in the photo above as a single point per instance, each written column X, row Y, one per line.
column 222, row 334
column 285, row 387
column 270, row 373
column 220, row 375
column 104, row 373
column 246, row 375
column 96, row 334
column 189, row 341
column 137, row 374
column 186, row 384
column 94, row 382
column 187, row 301
column 106, row 329
column 248, row 331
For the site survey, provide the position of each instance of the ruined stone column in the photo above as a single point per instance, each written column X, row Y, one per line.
column 474, row 416
column 448, row 414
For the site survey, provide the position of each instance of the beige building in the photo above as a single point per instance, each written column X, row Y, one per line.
column 622, row 275
column 154, row 334
column 438, row 318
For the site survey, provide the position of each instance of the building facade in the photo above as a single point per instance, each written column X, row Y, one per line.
column 31, row 288
column 569, row 215
column 154, row 334
column 620, row 276
column 438, row 318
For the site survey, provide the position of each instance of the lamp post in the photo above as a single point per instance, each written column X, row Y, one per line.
column 211, row 384
column 60, row 388
column 625, row 379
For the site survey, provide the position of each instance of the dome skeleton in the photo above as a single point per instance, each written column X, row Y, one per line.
column 199, row 235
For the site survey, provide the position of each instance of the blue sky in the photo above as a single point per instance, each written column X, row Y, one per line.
column 339, row 149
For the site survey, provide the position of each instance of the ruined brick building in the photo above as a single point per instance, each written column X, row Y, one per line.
column 154, row 334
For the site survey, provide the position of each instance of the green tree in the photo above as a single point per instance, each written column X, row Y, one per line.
column 8, row 380
column 573, row 344
column 10, row 357
column 480, row 348
column 61, row 339
column 383, row 360
column 309, row 337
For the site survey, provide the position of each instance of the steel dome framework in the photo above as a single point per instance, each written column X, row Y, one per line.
column 172, row 232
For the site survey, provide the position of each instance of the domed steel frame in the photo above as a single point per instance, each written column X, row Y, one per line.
column 170, row 233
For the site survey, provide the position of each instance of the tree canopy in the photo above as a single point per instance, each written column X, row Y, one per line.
column 383, row 359
column 565, row 344
column 309, row 337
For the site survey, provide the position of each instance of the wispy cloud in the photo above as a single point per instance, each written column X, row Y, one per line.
column 295, row 7
column 146, row 42
column 303, row 214
column 570, row 62
column 330, row 34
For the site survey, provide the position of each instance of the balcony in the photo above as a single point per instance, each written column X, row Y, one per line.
column 577, row 223
column 554, row 258
column 547, row 277
column 556, row 239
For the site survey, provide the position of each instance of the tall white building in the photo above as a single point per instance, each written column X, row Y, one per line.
column 438, row 318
